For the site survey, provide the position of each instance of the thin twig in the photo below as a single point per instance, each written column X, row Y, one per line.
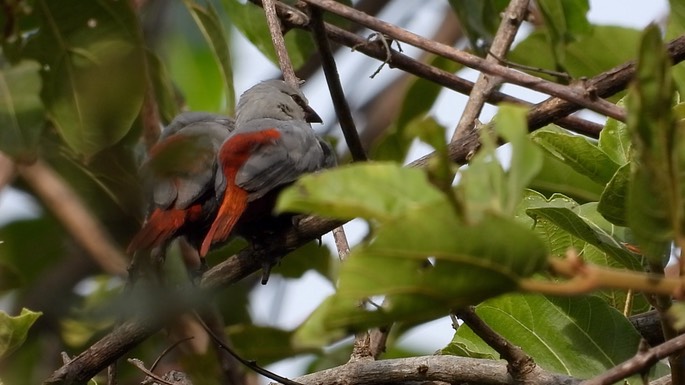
column 250, row 364
column 342, row 109
column 279, row 44
column 509, row 26
column 577, row 95
column 519, row 364
column 167, row 351
column 141, row 366
column 75, row 216
column 641, row 362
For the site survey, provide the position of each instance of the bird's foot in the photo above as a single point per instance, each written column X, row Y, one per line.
column 196, row 274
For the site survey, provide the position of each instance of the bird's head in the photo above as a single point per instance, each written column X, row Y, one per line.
column 274, row 99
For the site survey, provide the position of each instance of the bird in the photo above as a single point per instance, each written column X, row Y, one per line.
column 272, row 145
column 179, row 178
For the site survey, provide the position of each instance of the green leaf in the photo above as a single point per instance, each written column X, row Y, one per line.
column 562, row 335
column 484, row 185
column 264, row 344
column 249, row 19
column 93, row 80
column 13, row 330
column 587, row 229
column 311, row 256
column 471, row 263
column 577, row 152
column 613, row 202
column 566, row 21
column 373, row 190
column 558, row 177
column 22, row 116
column 655, row 195
column 209, row 23
column 165, row 95
column 480, row 20
column 614, row 140
column 603, row 48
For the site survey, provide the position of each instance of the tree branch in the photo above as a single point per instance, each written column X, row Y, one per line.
column 279, row 44
column 641, row 362
column 577, row 95
column 449, row 369
column 511, row 21
column 330, row 70
column 76, row 218
column 519, row 364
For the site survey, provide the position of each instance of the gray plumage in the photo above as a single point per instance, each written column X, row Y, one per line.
column 180, row 167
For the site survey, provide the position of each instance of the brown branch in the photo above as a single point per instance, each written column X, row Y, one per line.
column 449, row 369
column 520, row 365
column 75, row 216
column 279, row 43
column 330, row 70
column 640, row 363
column 577, row 95
column 511, row 21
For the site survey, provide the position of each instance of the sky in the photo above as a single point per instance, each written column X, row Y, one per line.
column 286, row 303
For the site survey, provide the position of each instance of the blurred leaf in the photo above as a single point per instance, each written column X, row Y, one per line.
column 249, row 19
column 93, row 80
column 311, row 256
column 13, row 330
column 209, row 23
column 193, row 69
column 9, row 277
column 577, row 152
column 614, row 140
column 566, row 22
column 613, row 203
column 480, row 20
column 655, row 195
column 165, row 94
column 353, row 191
column 22, row 116
column 418, row 100
column 485, row 186
column 41, row 238
column 562, row 335
column 441, row 170
column 264, row 344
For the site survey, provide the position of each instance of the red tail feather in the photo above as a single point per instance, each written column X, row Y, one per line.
column 159, row 227
column 232, row 207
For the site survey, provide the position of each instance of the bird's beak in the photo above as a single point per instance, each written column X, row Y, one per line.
column 311, row 116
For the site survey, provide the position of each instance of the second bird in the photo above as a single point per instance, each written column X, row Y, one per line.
column 272, row 145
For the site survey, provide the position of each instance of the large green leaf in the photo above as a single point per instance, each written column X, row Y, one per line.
column 577, row 152
column 562, row 335
column 472, row 263
column 251, row 22
column 13, row 330
column 22, row 116
column 377, row 190
column 93, row 79
column 655, row 195
column 209, row 23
